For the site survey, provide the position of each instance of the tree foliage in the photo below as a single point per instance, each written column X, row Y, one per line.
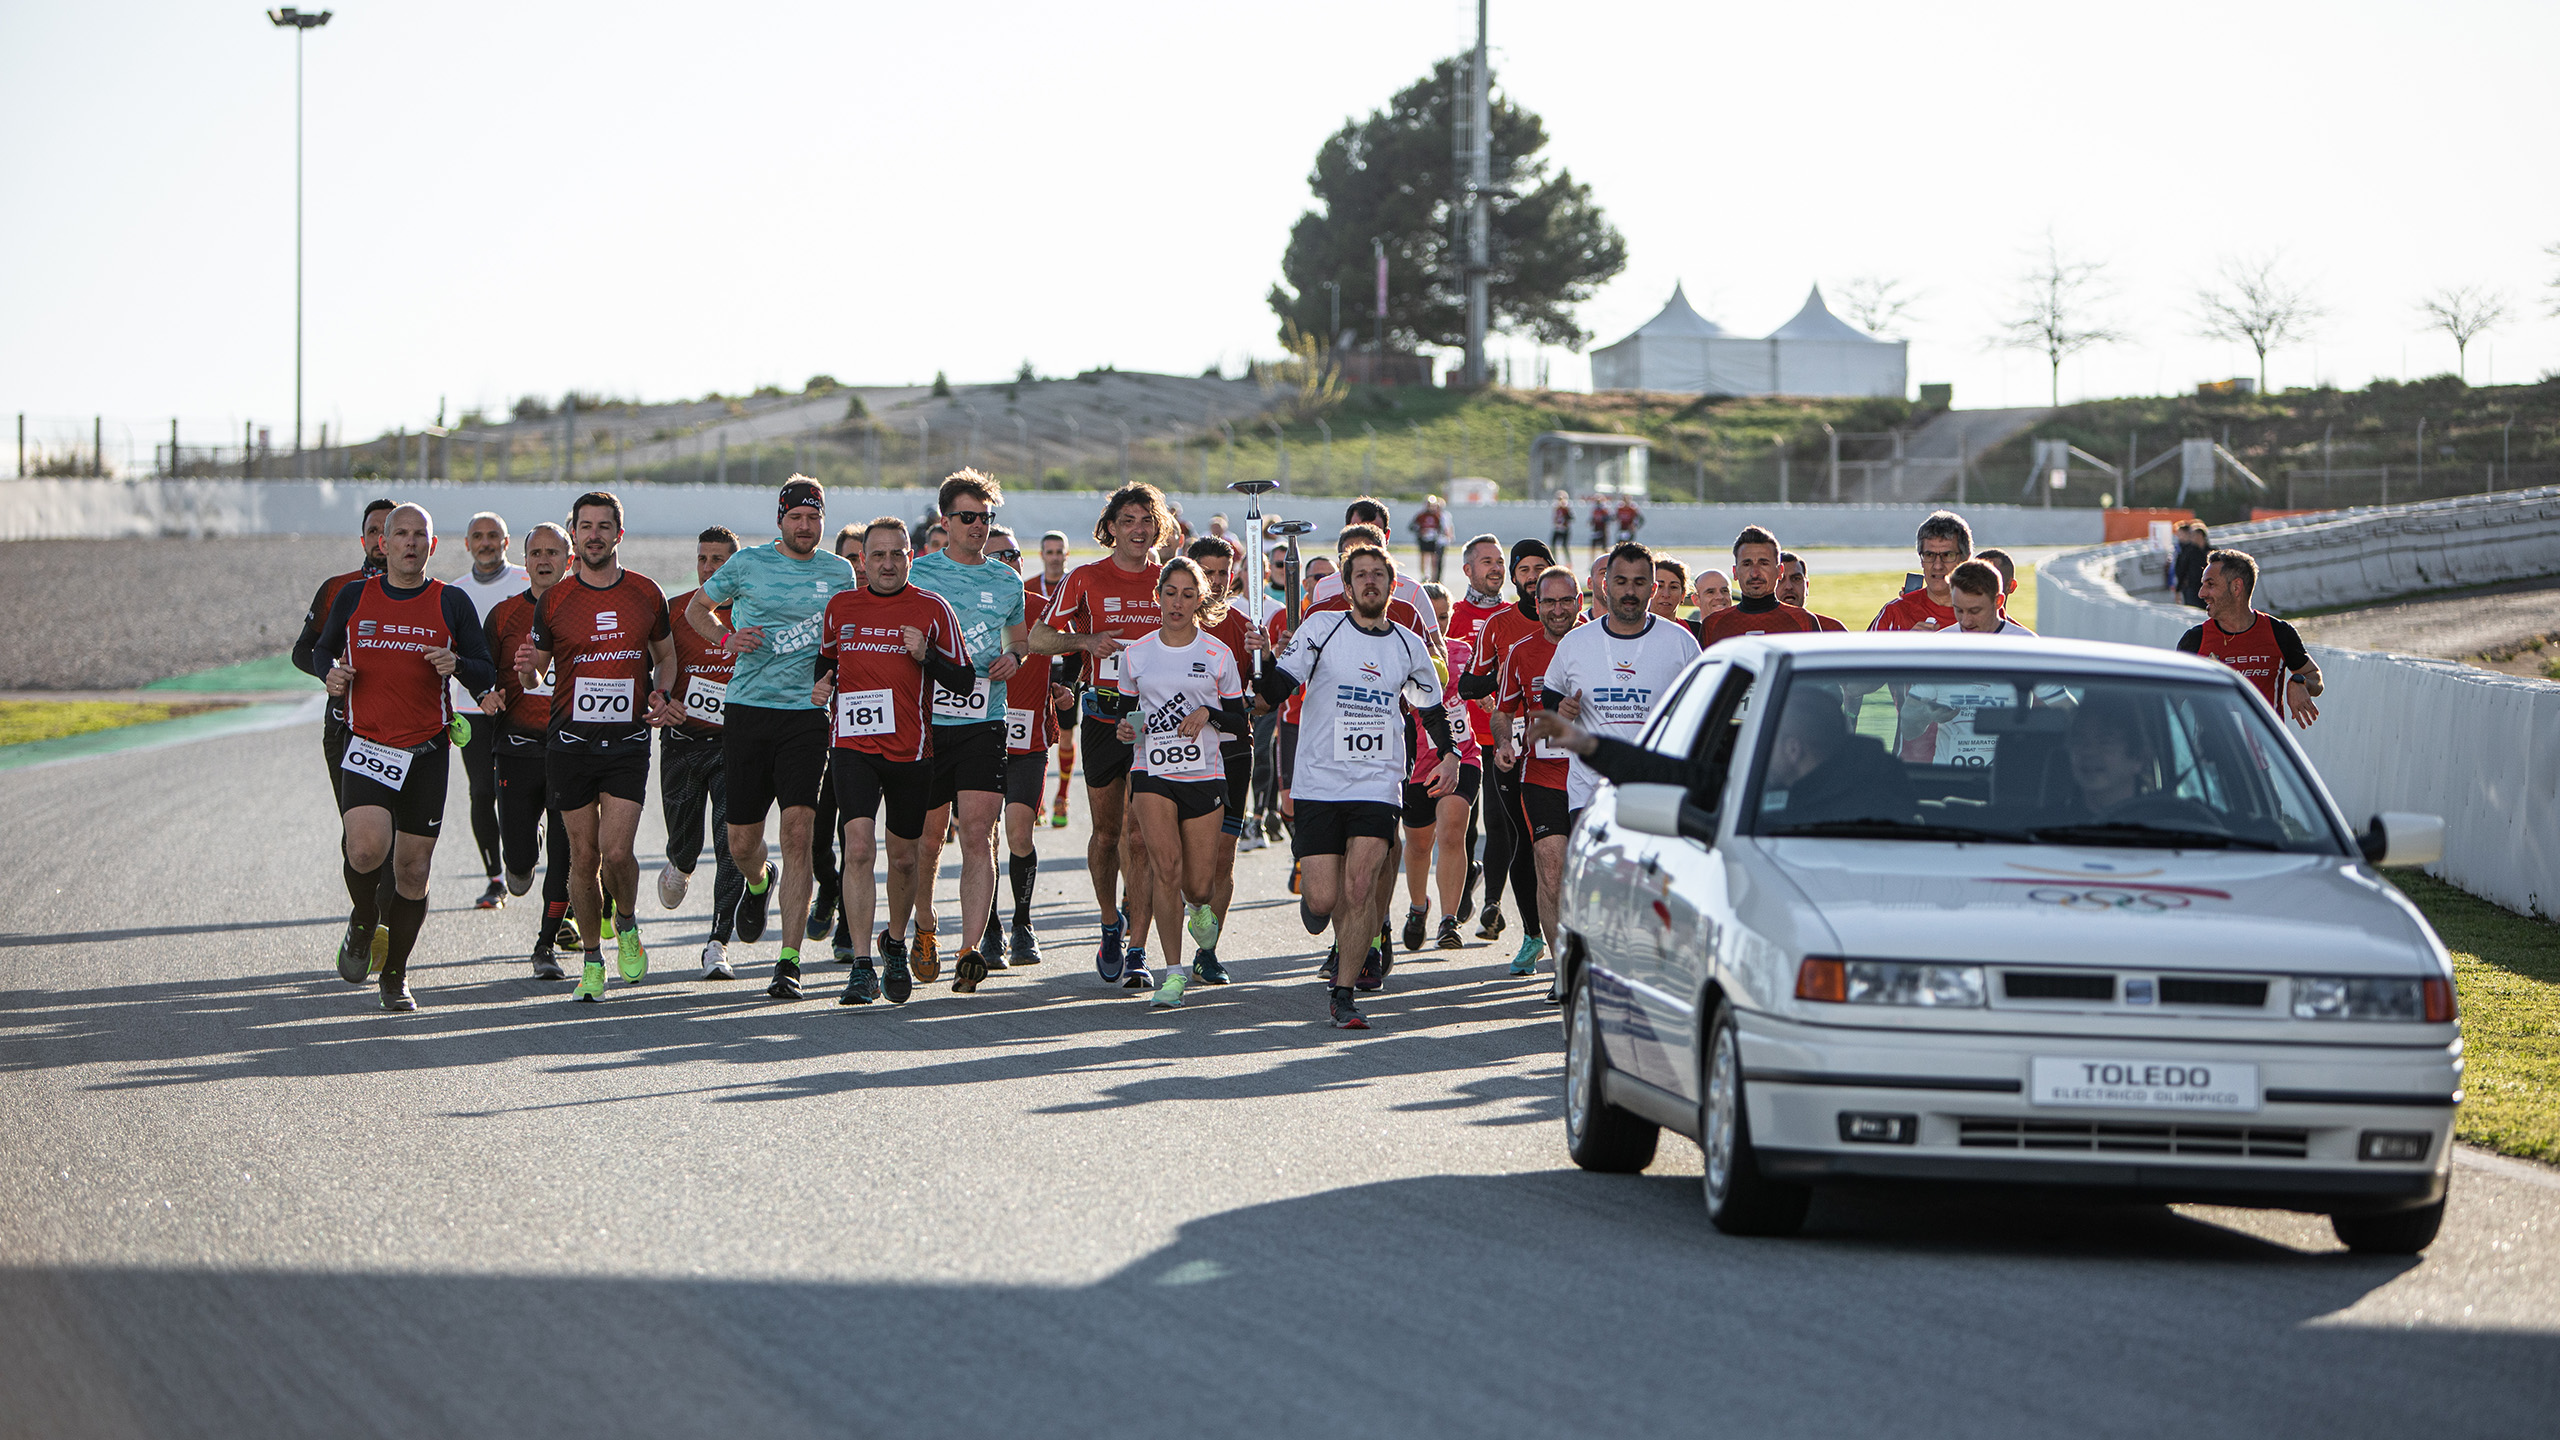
column 1392, row 176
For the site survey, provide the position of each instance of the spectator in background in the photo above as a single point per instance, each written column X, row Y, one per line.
column 1560, row 528
column 1630, row 519
column 1218, row 527
column 1599, row 518
column 2187, row 572
column 934, row 539
column 1430, row 526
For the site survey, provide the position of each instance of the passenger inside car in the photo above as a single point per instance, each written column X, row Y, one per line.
column 1821, row 771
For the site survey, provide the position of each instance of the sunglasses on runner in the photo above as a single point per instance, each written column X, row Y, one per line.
column 966, row 517
column 1008, row 553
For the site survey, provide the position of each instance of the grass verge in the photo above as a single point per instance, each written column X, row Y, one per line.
column 2507, row 970
column 22, row 721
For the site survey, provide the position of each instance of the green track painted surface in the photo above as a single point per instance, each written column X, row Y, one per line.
column 129, row 737
column 275, row 672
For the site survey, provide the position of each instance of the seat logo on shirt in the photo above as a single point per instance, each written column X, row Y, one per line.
column 365, row 628
column 1111, row 604
column 607, row 620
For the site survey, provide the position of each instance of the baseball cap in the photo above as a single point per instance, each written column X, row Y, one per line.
column 801, row 490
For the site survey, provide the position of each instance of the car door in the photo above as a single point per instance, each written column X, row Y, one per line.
column 1680, row 892
column 1636, row 943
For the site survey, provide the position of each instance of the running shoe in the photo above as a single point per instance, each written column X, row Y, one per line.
column 1491, row 929
column 1058, row 814
column 1169, row 994
column 1251, row 840
column 381, row 950
column 1135, row 975
column 1024, row 947
column 966, row 972
column 1415, row 918
column 1206, row 966
column 565, row 935
column 715, row 962
column 629, row 957
column 352, row 952
column 546, row 964
column 861, row 984
column 1467, row 892
column 1332, row 963
column 491, row 898
column 896, row 981
column 1108, row 960
column 1202, row 922
column 591, row 982
column 749, row 922
column 1294, row 879
column 1271, row 827
column 1450, row 939
column 822, row 915
column 1345, row 1015
column 1312, row 922
column 842, row 949
column 395, row 992
column 1373, row 973
column 672, row 883
column 519, row 882
column 786, row 980
column 1526, row 962
column 612, row 934
column 922, row 960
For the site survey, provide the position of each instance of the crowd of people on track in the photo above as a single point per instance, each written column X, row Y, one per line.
column 828, row 686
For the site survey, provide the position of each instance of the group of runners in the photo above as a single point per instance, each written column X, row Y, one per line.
column 1381, row 725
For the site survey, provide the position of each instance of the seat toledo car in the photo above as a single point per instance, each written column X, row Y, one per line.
column 1963, row 908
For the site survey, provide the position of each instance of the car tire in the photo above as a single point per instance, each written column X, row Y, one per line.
column 1598, row 1135
column 1740, row 1200
column 2402, row 1232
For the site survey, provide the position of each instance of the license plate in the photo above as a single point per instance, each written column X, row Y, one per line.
column 2116, row 1084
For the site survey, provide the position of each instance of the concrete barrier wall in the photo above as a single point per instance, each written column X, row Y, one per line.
column 117, row 509
column 2396, row 732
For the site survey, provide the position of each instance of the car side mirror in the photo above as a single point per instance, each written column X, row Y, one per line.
column 2397, row 837
column 1665, row 810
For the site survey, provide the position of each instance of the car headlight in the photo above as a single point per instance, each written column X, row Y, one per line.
column 2360, row 997
column 1888, row 982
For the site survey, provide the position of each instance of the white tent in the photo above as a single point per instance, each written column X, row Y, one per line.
column 1816, row 353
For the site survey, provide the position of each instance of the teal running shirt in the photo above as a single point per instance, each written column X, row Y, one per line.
column 785, row 598
column 988, row 598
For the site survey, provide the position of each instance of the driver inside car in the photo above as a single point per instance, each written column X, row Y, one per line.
column 2117, row 772
column 1820, row 771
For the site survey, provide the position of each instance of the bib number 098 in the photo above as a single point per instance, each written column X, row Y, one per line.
column 382, row 764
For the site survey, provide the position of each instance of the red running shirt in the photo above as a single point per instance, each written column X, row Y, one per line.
column 1733, row 620
column 598, row 637
column 1029, row 724
column 510, row 624
column 882, row 692
column 2267, row 652
column 702, row 667
column 1100, row 598
column 1914, row 611
column 397, row 698
column 1524, row 670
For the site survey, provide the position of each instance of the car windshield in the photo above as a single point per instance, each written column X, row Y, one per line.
column 2046, row 758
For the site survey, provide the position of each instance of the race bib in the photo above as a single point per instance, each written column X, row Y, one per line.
column 1544, row 749
column 541, row 686
column 972, row 704
column 602, row 701
column 864, row 712
column 381, row 764
column 1171, row 756
column 1107, row 672
column 704, row 699
column 1360, row 735
column 1018, row 728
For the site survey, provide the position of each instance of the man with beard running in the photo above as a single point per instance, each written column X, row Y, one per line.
column 1509, row 857
column 1756, row 571
column 393, row 640
column 1356, row 669
column 306, row 658
column 1546, row 812
column 773, row 736
column 1032, row 702
column 1793, row 588
column 605, row 636
column 520, row 714
column 692, row 762
column 491, row 579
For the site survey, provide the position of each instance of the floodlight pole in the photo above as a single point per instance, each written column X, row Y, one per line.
column 300, row 24
column 1479, row 202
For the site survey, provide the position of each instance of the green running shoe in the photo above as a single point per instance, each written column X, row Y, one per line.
column 381, row 948
column 606, row 922
column 1168, row 994
column 1203, row 925
column 1526, row 962
column 591, row 984
column 634, row 961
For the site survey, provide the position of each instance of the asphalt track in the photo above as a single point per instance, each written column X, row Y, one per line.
column 235, row 1199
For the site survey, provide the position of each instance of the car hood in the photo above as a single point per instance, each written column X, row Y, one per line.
column 2217, row 911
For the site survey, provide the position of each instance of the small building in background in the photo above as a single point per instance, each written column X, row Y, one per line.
column 1816, row 353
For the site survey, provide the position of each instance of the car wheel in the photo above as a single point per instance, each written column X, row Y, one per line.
column 2402, row 1232
column 1740, row 1200
column 1598, row 1135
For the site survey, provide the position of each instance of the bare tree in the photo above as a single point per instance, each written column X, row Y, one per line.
column 2464, row 312
column 2257, row 305
column 1879, row 303
column 2054, row 296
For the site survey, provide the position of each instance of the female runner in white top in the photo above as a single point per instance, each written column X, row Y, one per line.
column 1185, row 681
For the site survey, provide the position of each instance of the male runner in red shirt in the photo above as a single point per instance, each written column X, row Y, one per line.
column 2251, row 641
column 1032, row 703
column 1039, row 593
column 528, row 823
column 1757, row 610
column 333, row 724
column 1545, row 773
column 1509, row 857
column 1945, row 542
column 1792, row 588
column 691, row 761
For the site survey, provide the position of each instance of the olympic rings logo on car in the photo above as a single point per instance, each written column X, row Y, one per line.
column 2156, row 902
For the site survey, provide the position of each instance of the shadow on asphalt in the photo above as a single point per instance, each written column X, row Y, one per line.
column 1540, row 1304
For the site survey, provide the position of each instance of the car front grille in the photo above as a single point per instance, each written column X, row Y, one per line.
column 2179, row 990
column 2037, row 985
column 2254, row 1141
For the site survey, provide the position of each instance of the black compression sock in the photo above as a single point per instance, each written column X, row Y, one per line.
column 1025, row 869
column 552, row 910
column 406, row 916
column 364, row 893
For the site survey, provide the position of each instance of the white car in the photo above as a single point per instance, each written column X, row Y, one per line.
column 1972, row 909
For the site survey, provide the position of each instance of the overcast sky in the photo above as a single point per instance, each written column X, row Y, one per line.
column 657, row 200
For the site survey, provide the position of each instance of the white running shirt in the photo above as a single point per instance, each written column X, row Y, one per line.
column 1619, row 677
column 485, row 595
column 1350, row 732
column 1407, row 589
column 1170, row 683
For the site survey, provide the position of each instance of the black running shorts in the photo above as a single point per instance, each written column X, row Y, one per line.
column 1421, row 807
column 575, row 779
column 864, row 781
column 1549, row 814
column 1191, row 798
column 1325, row 827
column 967, row 757
column 772, row 755
column 1106, row 756
column 1024, row 778
column 417, row 807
